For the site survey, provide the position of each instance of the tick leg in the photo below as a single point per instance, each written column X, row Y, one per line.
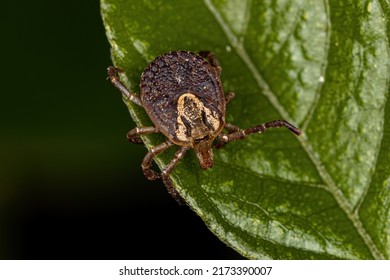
column 168, row 169
column 112, row 74
column 231, row 127
column 133, row 135
column 147, row 162
column 223, row 139
column 229, row 96
column 211, row 59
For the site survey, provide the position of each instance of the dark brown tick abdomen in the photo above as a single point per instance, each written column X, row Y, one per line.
column 173, row 74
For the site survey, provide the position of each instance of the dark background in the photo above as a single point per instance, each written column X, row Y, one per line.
column 71, row 187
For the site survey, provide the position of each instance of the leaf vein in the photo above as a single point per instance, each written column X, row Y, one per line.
column 331, row 186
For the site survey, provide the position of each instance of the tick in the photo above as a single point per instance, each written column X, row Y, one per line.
column 182, row 94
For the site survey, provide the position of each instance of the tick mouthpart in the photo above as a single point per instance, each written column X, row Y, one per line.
column 204, row 154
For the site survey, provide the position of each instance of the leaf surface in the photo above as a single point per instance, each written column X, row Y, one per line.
column 322, row 65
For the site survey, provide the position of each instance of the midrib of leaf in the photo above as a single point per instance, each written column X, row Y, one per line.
column 330, row 185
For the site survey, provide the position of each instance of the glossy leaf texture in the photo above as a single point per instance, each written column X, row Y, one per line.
column 322, row 65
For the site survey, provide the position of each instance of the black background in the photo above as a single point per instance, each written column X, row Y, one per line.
column 71, row 187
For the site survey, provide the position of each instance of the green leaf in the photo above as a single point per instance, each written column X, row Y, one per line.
column 322, row 65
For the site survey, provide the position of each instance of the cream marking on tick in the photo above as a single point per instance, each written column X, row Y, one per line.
column 190, row 124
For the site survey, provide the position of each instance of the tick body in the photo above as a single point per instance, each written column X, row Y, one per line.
column 183, row 96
